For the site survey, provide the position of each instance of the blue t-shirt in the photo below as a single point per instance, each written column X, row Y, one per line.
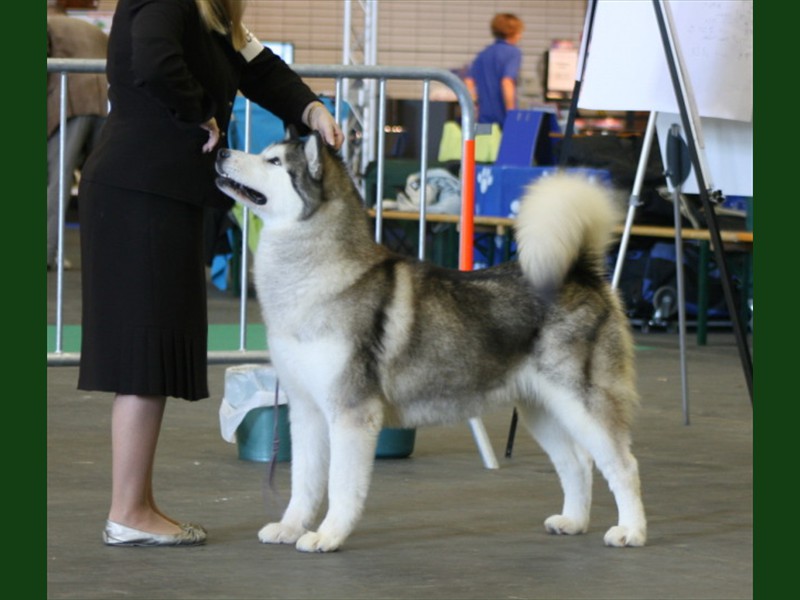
column 491, row 65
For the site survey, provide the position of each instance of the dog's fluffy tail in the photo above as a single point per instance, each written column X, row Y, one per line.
column 563, row 217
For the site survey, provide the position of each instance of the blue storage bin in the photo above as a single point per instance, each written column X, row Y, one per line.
column 498, row 188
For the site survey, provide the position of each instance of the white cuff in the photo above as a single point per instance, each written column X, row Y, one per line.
column 252, row 48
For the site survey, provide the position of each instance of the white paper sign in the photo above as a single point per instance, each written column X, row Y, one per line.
column 626, row 66
column 728, row 152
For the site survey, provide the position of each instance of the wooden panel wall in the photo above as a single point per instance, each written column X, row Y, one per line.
column 429, row 33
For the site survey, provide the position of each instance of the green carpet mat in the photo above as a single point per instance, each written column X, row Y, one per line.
column 220, row 337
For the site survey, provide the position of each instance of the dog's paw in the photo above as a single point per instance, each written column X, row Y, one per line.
column 277, row 533
column 562, row 525
column 620, row 536
column 313, row 541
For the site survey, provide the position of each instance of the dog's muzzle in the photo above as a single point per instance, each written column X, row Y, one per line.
column 232, row 187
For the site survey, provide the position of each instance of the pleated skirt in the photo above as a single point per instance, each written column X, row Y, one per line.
column 144, row 314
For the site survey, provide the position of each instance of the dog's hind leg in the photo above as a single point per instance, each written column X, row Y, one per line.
column 620, row 468
column 573, row 465
column 353, row 438
column 310, row 451
column 609, row 446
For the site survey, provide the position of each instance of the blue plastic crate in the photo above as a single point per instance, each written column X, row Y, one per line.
column 498, row 188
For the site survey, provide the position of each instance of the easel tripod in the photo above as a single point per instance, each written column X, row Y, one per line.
column 689, row 124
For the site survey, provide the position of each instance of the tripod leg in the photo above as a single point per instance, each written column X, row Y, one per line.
column 641, row 169
column 512, row 431
column 678, row 166
column 681, row 303
column 591, row 6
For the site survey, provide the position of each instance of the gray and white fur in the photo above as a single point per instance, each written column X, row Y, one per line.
column 363, row 338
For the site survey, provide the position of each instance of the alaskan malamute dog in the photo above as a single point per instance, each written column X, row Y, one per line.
column 362, row 338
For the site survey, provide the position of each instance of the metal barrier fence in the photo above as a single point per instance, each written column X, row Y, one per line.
column 338, row 73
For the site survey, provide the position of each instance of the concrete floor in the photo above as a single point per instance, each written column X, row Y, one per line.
column 437, row 524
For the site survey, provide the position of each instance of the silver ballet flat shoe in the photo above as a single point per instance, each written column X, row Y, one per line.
column 116, row 534
column 195, row 527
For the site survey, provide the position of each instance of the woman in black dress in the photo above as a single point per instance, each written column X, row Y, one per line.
column 174, row 68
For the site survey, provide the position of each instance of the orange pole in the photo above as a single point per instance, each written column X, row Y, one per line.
column 466, row 239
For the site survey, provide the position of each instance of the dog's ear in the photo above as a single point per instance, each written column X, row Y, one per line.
column 313, row 150
column 291, row 134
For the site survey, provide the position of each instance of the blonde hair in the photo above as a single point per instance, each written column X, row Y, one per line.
column 224, row 16
column 505, row 25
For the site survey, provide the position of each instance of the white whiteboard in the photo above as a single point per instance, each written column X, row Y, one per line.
column 626, row 67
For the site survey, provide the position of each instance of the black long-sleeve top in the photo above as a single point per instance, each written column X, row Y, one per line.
column 168, row 74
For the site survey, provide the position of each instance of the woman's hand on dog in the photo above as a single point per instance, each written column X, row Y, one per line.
column 319, row 119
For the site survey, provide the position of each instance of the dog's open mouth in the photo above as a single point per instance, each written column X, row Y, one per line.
column 226, row 183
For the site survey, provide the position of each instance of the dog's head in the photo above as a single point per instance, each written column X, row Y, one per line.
column 285, row 181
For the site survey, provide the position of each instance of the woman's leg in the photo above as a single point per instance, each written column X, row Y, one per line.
column 135, row 426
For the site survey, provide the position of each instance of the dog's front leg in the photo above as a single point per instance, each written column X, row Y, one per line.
column 310, row 452
column 353, row 437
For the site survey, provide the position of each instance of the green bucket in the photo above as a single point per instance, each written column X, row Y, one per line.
column 256, row 434
column 395, row 443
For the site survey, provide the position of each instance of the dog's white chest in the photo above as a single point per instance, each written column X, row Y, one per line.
column 310, row 367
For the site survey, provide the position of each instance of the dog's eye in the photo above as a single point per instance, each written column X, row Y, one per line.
column 274, row 161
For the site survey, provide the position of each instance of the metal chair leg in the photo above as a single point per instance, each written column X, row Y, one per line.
column 512, row 430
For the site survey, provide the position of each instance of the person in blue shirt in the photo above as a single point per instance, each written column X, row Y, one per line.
column 492, row 77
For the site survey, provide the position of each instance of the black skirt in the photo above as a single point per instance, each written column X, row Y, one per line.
column 144, row 320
